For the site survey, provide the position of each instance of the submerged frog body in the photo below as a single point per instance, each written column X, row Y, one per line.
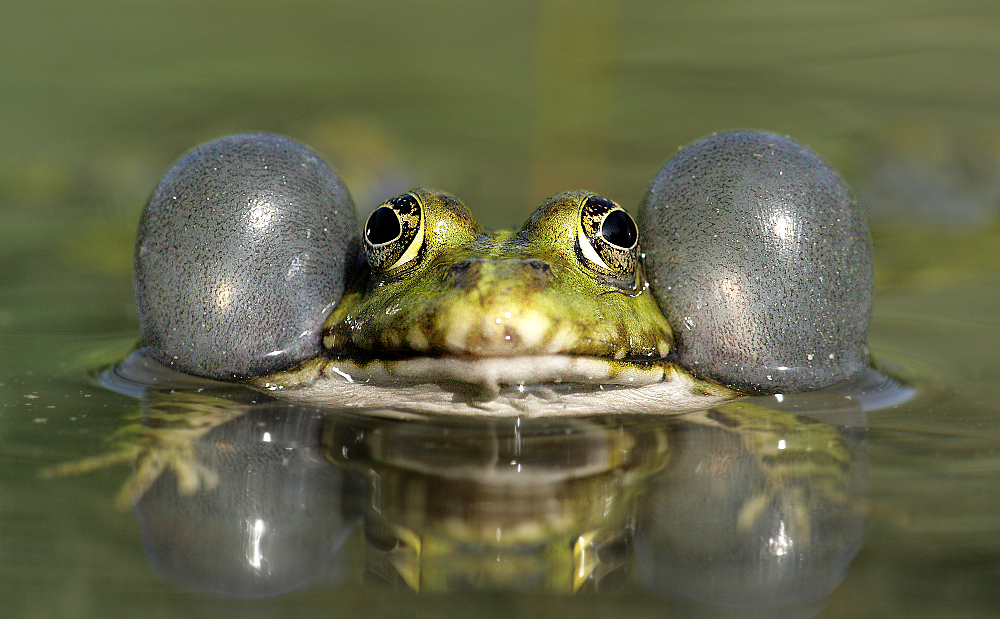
column 248, row 268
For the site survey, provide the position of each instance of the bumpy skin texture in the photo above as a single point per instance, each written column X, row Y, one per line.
column 761, row 261
column 240, row 256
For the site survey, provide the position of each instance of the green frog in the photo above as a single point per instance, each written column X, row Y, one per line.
column 748, row 271
column 539, row 319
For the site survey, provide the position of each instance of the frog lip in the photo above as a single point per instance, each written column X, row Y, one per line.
column 489, row 350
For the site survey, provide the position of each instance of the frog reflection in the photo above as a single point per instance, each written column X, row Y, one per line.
column 564, row 504
column 514, row 504
column 260, row 497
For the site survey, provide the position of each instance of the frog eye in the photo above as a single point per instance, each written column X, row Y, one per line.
column 394, row 233
column 608, row 239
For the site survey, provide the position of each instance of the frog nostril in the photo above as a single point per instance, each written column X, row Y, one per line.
column 459, row 268
column 540, row 268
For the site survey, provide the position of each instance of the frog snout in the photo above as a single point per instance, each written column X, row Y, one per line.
column 530, row 273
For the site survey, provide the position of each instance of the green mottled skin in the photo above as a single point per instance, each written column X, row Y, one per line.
column 472, row 292
column 512, row 293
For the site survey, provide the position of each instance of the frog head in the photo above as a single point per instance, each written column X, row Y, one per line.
column 432, row 282
column 248, row 268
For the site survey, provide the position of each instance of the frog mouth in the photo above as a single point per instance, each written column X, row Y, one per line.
column 502, row 334
column 494, row 350
column 515, row 313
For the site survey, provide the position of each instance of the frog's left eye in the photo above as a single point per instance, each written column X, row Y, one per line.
column 608, row 239
column 394, row 233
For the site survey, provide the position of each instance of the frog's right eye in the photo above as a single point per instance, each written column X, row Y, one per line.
column 394, row 233
column 608, row 241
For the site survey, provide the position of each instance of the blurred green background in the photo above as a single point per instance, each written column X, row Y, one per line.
column 502, row 103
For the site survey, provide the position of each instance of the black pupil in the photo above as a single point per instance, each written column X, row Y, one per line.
column 383, row 226
column 619, row 229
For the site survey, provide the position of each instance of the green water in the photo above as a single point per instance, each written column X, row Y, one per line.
column 501, row 104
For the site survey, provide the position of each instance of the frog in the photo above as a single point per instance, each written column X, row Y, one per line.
column 747, row 271
column 560, row 302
